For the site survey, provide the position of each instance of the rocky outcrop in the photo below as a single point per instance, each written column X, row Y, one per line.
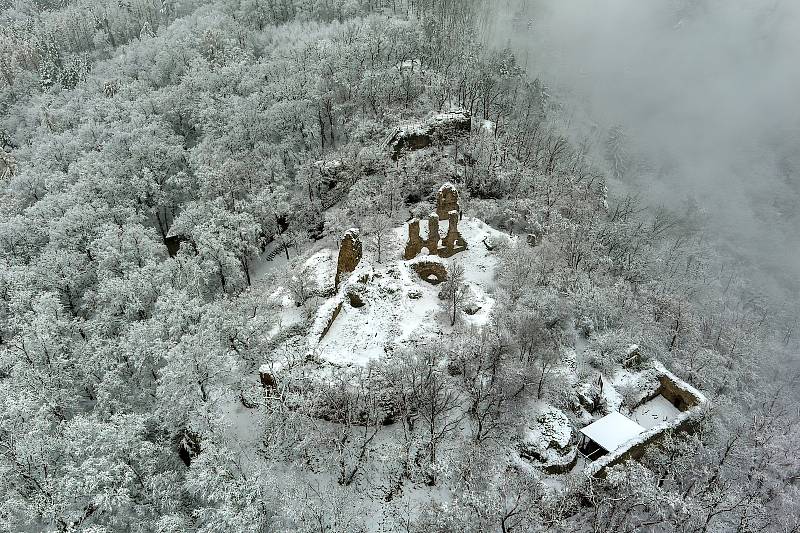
column 189, row 445
column 331, row 172
column 335, row 176
column 444, row 126
column 350, row 251
column 173, row 244
column 267, row 378
column 355, row 295
column 548, row 442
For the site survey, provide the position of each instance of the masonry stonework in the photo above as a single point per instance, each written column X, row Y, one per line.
column 453, row 242
column 432, row 243
column 350, row 252
column 447, row 200
column 447, row 208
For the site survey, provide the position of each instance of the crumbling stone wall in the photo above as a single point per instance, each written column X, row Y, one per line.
column 350, row 251
column 414, row 245
column 453, row 242
column 637, row 450
column 432, row 243
column 331, row 320
column 683, row 396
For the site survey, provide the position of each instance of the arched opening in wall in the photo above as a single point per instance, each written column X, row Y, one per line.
column 430, row 271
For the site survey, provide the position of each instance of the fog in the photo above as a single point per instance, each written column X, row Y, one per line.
column 708, row 95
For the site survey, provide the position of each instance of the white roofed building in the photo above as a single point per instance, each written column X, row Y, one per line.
column 607, row 434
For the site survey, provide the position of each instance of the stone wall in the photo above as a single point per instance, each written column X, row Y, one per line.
column 433, row 272
column 686, row 422
column 680, row 397
column 350, row 251
column 414, row 245
column 453, row 242
column 432, row 242
column 331, row 320
column 683, row 396
column 447, row 208
column 447, row 200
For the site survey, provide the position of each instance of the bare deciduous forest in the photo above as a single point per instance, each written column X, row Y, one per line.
column 352, row 266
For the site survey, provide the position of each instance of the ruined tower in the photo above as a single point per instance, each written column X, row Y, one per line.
column 349, row 255
column 447, row 208
column 447, row 200
column 432, row 243
column 414, row 244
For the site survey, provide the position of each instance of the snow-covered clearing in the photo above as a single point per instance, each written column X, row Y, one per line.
column 400, row 309
column 655, row 412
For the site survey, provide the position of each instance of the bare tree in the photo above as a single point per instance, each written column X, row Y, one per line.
column 454, row 290
column 438, row 403
column 301, row 288
column 359, row 420
column 378, row 231
column 547, row 360
column 520, row 500
column 490, row 383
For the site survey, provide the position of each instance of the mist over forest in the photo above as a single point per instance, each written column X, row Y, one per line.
column 376, row 266
column 701, row 94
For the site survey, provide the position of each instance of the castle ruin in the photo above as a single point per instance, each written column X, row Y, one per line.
column 447, row 208
column 447, row 200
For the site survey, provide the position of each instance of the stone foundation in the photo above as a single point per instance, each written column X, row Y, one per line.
column 683, row 396
column 431, row 271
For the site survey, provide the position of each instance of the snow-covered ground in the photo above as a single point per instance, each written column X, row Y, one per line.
column 400, row 308
column 655, row 412
column 397, row 309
